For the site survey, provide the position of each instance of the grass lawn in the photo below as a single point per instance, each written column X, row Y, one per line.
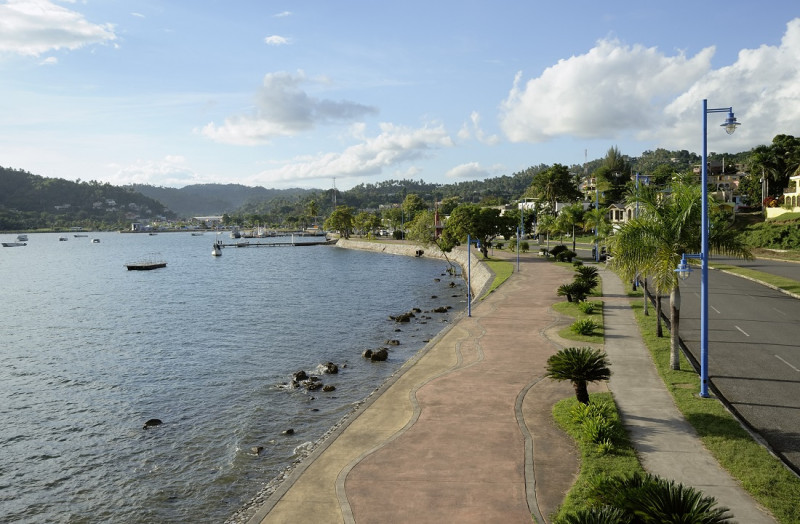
column 621, row 460
column 573, row 310
column 502, row 271
column 759, row 472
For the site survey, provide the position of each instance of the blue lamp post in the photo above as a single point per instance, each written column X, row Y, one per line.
column 469, row 272
column 683, row 269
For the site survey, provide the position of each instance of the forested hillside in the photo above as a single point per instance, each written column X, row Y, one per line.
column 29, row 201
column 212, row 199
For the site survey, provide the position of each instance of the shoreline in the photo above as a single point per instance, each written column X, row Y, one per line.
column 483, row 278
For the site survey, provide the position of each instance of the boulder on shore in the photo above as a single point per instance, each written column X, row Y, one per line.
column 379, row 355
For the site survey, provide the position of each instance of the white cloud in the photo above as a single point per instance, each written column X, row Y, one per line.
column 616, row 90
column 470, row 170
column 50, row 60
column 33, row 27
column 284, row 109
column 611, row 89
column 762, row 86
column 282, row 14
column 394, row 146
column 170, row 171
column 276, row 40
column 467, row 131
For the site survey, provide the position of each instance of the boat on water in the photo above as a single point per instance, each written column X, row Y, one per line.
column 22, row 238
column 148, row 262
column 145, row 266
column 216, row 251
column 62, row 239
column 95, row 241
column 197, row 234
column 14, row 244
column 80, row 236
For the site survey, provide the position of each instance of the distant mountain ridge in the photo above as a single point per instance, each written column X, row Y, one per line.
column 212, row 199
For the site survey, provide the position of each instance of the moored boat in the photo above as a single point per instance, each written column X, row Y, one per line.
column 14, row 244
column 145, row 265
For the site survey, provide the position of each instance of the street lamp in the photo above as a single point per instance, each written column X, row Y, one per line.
column 683, row 269
column 469, row 272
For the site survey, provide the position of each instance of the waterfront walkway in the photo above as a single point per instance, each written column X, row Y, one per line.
column 464, row 432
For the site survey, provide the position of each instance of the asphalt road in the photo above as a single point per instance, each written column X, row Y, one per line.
column 774, row 267
column 754, row 352
column 754, row 347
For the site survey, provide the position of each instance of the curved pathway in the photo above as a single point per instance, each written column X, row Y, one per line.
column 464, row 432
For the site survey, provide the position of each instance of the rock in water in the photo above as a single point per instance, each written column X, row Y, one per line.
column 153, row 422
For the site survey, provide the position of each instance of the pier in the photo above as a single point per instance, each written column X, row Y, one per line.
column 278, row 244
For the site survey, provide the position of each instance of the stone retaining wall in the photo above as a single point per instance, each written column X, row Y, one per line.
column 481, row 276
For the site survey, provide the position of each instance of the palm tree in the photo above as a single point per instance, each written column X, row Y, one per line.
column 652, row 244
column 571, row 217
column 580, row 366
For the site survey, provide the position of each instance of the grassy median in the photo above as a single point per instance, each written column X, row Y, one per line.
column 759, row 472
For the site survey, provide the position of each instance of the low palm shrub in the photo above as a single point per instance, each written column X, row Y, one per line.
column 580, row 366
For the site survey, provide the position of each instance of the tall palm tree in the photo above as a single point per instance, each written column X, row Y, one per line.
column 571, row 217
column 580, row 366
column 668, row 226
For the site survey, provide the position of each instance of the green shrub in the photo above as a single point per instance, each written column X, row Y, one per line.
column 577, row 263
column 587, row 308
column 558, row 249
column 565, row 256
column 604, row 447
column 581, row 412
column 584, row 326
column 598, row 429
column 524, row 246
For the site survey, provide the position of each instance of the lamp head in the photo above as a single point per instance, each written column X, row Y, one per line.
column 730, row 123
column 683, row 271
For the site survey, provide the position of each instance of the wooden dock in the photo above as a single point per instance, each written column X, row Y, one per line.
column 278, row 244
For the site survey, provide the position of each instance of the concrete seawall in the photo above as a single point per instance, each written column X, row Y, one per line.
column 481, row 276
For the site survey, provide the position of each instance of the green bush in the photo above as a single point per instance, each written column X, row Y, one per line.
column 581, row 412
column 587, row 308
column 584, row 326
column 558, row 249
column 565, row 256
column 524, row 246
column 597, row 429
column 776, row 236
column 577, row 263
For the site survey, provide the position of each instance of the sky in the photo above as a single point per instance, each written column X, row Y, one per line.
column 323, row 93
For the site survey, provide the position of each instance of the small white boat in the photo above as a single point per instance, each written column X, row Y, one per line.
column 95, row 241
column 22, row 238
column 216, row 251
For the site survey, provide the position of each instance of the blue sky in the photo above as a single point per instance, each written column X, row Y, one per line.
column 297, row 93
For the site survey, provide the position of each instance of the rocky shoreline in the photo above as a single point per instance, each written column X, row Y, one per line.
column 482, row 277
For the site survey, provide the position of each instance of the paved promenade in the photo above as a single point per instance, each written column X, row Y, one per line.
column 464, row 432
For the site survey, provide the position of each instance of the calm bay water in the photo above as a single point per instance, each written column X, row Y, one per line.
column 90, row 351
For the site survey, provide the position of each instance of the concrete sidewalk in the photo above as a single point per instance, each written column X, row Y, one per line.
column 464, row 433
